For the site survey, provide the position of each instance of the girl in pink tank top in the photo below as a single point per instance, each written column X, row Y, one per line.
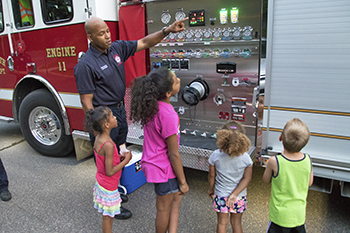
column 109, row 164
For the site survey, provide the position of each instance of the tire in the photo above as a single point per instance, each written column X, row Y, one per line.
column 42, row 125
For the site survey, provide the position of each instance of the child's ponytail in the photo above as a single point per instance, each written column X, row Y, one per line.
column 95, row 118
column 145, row 93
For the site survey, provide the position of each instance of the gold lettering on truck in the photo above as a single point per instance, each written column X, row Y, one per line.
column 68, row 51
column 2, row 61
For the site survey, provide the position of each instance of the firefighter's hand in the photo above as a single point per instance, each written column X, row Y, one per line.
column 177, row 26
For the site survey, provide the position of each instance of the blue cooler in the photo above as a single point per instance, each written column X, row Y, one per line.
column 132, row 176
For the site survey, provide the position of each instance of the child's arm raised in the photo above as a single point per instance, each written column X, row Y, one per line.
column 247, row 176
column 270, row 170
column 211, row 180
column 108, row 149
column 176, row 162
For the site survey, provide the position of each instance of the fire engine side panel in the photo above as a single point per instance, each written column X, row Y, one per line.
column 307, row 76
column 7, row 77
column 208, row 115
column 209, row 44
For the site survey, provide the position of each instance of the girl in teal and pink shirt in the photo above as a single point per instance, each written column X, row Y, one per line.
column 161, row 161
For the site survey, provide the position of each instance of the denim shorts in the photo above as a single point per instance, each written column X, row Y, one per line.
column 171, row 186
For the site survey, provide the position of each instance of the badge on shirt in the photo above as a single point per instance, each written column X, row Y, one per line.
column 117, row 59
column 104, row 67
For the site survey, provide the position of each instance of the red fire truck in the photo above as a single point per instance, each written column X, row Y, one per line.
column 41, row 42
column 217, row 58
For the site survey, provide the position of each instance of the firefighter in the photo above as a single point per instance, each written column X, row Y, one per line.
column 100, row 74
column 26, row 12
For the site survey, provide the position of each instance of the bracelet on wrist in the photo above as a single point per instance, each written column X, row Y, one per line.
column 164, row 32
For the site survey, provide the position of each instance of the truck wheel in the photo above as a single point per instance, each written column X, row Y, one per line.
column 42, row 125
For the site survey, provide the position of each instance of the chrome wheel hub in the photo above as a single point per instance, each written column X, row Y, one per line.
column 44, row 125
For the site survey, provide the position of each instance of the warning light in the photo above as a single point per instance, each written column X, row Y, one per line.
column 197, row 18
column 223, row 16
column 234, row 15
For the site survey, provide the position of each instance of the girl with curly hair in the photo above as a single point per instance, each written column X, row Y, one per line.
column 161, row 161
column 230, row 170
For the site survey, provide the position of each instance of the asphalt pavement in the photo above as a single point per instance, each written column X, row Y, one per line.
column 55, row 195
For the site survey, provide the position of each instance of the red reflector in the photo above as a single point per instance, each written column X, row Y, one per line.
column 31, row 69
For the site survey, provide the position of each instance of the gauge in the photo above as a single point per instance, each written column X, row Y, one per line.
column 180, row 35
column 174, row 53
column 188, row 53
column 180, row 15
column 226, row 32
column 171, row 36
column 247, row 30
column 165, row 17
column 198, row 33
column 207, row 53
column 236, row 52
column 246, row 52
column 216, row 32
column 207, row 33
column 236, row 32
column 198, row 53
column 189, row 34
column 226, row 50
column 216, row 53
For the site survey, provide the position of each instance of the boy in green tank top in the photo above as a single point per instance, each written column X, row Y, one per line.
column 290, row 175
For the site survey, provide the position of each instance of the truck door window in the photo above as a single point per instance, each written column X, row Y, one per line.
column 23, row 13
column 57, row 11
column 1, row 18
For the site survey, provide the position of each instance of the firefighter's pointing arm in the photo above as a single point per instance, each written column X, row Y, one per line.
column 154, row 38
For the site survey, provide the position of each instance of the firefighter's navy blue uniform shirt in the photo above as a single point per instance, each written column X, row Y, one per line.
column 102, row 74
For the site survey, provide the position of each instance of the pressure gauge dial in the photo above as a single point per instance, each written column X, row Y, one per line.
column 247, row 31
column 171, row 36
column 226, row 50
column 181, row 53
column 180, row 15
column 217, row 32
column 198, row 33
column 189, row 34
column 226, row 32
column 246, row 52
column 216, row 53
column 207, row 33
column 198, row 53
column 165, row 17
column 236, row 52
column 180, row 35
column 188, row 53
column 236, row 32
column 207, row 53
